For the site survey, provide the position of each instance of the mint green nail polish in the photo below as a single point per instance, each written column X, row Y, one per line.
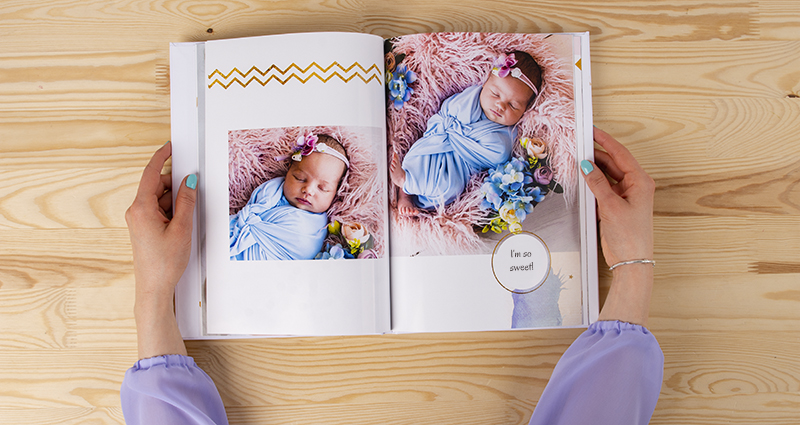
column 191, row 181
column 586, row 167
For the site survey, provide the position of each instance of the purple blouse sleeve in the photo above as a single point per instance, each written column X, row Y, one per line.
column 611, row 374
column 170, row 390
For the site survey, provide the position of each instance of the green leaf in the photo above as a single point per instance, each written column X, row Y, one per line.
column 369, row 243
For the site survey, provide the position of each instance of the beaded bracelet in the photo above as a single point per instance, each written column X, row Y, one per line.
column 622, row 263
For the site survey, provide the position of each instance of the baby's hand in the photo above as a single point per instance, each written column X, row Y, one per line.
column 625, row 208
column 161, row 246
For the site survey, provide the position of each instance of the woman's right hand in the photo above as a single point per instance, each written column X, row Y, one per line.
column 625, row 212
column 624, row 205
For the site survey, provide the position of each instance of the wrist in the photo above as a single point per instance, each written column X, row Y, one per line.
column 633, row 273
column 149, row 305
column 628, row 299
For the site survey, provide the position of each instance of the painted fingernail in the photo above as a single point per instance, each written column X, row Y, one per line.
column 191, row 181
column 586, row 167
column 167, row 142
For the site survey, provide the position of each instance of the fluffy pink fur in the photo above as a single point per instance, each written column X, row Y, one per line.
column 445, row 64
column 361, row 196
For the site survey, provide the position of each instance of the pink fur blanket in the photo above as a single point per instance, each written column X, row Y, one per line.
column 445, row 64
column 361, row 197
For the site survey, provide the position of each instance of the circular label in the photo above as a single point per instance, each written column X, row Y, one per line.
column 521, row 262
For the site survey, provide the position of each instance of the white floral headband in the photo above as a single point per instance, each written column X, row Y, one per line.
column 504, row 66
column 308, row 144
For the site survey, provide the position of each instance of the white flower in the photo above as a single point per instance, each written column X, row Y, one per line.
column 508, row 213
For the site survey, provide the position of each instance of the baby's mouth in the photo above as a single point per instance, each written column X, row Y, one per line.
column 303, row 201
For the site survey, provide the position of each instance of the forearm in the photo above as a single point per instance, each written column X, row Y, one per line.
column 156, row 327
column 629, row 297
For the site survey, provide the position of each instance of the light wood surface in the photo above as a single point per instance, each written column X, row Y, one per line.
column 705, row 94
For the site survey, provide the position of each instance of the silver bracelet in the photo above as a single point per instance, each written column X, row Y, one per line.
column 622, row 263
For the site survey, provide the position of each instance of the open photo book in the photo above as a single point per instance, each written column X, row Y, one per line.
column 351, row 185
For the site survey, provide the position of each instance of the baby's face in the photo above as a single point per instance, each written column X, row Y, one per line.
column 311, row 184
column 504, row 100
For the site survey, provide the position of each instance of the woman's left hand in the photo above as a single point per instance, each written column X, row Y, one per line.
column 161, row 249
column 161, row 245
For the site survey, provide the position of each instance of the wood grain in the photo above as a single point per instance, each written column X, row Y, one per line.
column 704, row 93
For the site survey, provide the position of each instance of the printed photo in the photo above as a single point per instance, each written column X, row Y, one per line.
column 305, row 193
column 481, row 134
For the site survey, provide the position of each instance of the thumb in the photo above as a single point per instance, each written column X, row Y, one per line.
column 597, row 181
column 182, row 211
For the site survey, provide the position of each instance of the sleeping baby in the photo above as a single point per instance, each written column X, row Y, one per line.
column 285, row 218
column 473, row 131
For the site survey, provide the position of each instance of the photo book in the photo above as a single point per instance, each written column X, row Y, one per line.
column 350, row 184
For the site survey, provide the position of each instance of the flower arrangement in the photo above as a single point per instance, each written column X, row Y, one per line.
column 351, row 241
column 513, row 189
column 398, row 77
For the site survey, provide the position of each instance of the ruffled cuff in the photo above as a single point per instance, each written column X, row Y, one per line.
column 170, row 389
column 611, row 374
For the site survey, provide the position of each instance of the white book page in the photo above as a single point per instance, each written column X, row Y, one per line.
column 301, row 80
column 545, row 276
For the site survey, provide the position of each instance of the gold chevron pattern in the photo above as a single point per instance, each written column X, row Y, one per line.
column 274, row 73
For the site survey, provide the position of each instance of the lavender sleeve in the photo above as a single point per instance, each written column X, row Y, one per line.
column 611, row 374
column 170, row 390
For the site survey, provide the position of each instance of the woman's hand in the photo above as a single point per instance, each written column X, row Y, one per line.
column 625, row 212
column 625, row 208
column 161, row 240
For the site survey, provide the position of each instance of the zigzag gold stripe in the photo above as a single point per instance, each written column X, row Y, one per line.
column 245, row 81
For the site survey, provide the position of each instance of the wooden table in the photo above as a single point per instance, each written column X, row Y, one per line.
column 705, row 94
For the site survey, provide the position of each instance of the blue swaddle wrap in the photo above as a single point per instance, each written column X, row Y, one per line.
column 458, row 142
column 269, row 228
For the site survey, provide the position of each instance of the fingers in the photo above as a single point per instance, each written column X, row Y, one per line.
column 151, row 176
column 165, row 202
column 620, row 155
column 166, row 181
column 184, row 204
column 597, row 182
column 607, row 164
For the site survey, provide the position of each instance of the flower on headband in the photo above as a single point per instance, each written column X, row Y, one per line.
column 503, row 64
column 305, row 145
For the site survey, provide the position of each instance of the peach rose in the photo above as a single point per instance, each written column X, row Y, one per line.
column 535, row 148
column 390, row 62
column 355, row 233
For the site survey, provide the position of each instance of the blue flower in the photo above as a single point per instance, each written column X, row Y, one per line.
column 335, row 252
column 537, row 194
column 398, row 82
column 492, row 195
